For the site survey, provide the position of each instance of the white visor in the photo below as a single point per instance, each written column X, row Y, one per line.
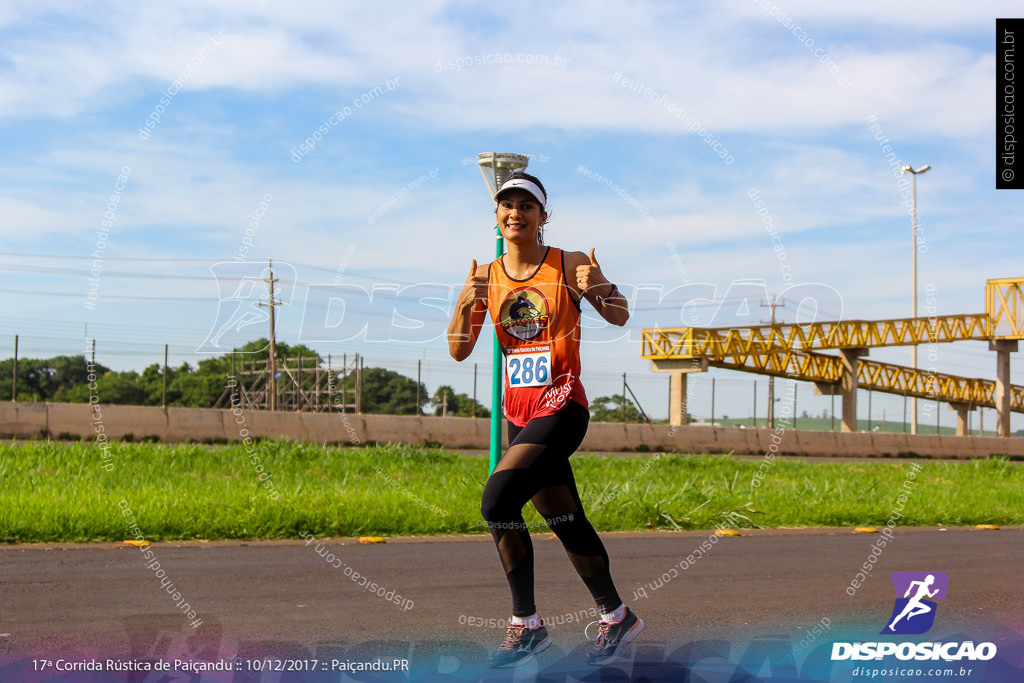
column 523, row 184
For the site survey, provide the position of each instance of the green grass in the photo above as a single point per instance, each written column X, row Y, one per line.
column 59, row 492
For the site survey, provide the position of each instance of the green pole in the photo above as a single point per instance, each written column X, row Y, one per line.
column 500, row 166
column 496, row 379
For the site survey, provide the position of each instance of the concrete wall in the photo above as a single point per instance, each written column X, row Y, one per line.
column 29, row 420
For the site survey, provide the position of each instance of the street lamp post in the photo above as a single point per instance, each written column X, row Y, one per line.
column 496, row 167
column 913, row 237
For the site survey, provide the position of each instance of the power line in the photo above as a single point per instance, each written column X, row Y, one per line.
column 114, row 297
column 107, row 258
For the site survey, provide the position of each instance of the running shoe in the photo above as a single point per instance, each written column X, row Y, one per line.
column 613, row 637
column 519, row 646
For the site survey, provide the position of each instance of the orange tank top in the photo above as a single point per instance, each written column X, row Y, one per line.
column 537, row 321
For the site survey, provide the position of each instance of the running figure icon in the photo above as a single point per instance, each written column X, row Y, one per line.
column 917, row 594
column 915, row 606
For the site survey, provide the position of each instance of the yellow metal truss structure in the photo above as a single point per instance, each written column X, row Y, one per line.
column 884, row 377
column 721, row 342
column 792, row 350
column 1004, row 303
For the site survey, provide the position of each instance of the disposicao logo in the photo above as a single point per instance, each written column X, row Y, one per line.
column 913, row 613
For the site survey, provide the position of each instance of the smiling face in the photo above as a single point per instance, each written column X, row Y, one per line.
column 520, row 217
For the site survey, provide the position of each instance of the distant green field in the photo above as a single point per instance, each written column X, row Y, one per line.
column 824, row 424
column 61, row 492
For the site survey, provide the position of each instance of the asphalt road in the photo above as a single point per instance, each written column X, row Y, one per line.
column 770, row 592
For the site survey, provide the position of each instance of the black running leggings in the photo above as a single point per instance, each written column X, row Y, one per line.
column 536, row 467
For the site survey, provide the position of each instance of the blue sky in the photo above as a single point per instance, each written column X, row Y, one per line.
column 626, row 110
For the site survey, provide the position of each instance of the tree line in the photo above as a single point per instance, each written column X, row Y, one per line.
column 66, row 379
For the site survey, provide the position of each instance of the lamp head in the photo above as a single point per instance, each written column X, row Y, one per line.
column 907, row 168
column 496, row 167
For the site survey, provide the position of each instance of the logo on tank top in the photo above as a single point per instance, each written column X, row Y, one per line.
column 524, row 313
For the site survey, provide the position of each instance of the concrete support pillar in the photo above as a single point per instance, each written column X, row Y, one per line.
column 1003, row 392
column 678, row 369
column 848, row 386
column 962, row 411
column 677, row 399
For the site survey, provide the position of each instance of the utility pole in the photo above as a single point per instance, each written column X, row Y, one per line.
column 14, row 380
column 907, row 168
column 712, row 401
column 344, row 381
column 771, row 378
column 165, row 378
column 272, row 359
column 755, row 403
column 360, row 366
column 623, row 398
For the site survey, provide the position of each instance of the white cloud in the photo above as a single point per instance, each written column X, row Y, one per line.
column 268, row 49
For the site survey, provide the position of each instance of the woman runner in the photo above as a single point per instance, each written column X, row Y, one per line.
column 533, row 295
